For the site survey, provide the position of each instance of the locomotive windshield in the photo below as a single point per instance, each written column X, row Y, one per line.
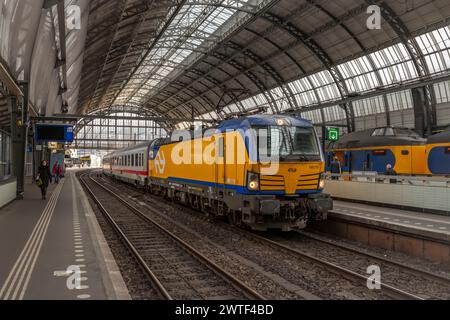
column 288, row 143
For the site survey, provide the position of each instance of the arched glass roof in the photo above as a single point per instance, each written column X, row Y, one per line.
column 216, row 58
column 390, row 66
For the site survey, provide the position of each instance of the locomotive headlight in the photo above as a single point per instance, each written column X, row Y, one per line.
column 252, row 181
column 322, row 181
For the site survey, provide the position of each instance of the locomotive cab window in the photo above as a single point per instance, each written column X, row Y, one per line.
column 288, row 143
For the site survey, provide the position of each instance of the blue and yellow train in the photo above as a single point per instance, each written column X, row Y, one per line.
column 259, row 171
column 438, row 154
column 407, row 152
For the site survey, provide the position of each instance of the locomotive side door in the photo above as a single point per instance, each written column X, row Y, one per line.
column 368, row 162
column 220, row 169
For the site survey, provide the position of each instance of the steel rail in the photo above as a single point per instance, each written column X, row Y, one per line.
column 155, row 281
column 222, row 273
column 347, row 273
column 420, row 272
column 391, row 290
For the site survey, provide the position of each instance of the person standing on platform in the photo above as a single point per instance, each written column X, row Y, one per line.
column 57, row 172
column 390, row 172
column 336, row 168
column 44, row 177
column 60, row 171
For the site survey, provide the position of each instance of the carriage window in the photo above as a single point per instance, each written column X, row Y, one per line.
column 221, row 148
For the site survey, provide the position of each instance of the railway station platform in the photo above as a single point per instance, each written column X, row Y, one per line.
column 425, row 224
column 419, row 234
column 55, row 249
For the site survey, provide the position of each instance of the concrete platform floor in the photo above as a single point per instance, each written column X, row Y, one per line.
column 434, row 225
column 55, row 249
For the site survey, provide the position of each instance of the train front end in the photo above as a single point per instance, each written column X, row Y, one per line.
column 284, row 176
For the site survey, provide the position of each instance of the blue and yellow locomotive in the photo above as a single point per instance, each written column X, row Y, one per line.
column 259, row 171
column 407, row 152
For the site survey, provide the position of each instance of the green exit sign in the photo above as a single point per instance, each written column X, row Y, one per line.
column 332, row 134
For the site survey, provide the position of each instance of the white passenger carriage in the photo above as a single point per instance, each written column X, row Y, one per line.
column 129, row 165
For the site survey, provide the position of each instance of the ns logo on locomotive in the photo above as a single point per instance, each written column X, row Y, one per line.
column 261, row 171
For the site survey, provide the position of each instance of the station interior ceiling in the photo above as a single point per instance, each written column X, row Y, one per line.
column 167, row 62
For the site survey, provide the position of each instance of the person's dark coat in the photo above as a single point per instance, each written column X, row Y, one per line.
column 45, row 175
column 336, row 167
column 391, row 172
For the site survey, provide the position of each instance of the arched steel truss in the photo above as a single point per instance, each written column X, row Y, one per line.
column 242, row 56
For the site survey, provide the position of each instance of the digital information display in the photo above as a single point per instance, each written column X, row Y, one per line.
column 53, row 133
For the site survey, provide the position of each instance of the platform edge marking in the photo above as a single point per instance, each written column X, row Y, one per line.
column 115, row 286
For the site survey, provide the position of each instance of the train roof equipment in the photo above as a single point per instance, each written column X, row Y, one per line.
column 382, row 136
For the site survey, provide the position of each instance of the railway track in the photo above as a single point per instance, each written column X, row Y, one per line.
column 390, row 290
column 175, row 269
column 416, row 271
